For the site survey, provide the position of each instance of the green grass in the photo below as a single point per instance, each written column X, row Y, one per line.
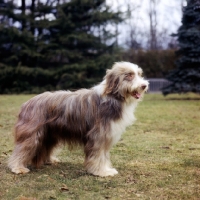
column 157, row 158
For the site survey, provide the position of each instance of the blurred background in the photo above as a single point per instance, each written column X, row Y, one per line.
column 69, row 44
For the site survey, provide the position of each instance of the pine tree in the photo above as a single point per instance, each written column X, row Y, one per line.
column 55, row 45
column 77, row 42
column 186, row 77
column 18, row 50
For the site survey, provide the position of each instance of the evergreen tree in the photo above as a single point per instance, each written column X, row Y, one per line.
column 48, row 45
column 186, row 77
column 18, row 51
column 77, row 42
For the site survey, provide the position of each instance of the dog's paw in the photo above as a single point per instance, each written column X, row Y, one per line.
column 106, row 172
column 111, row 172
column 20, row 170
column 114, row 171
column 52, row 160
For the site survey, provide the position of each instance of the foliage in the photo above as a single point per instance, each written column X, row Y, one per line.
column 186, row 77
column 53, row 45
column 156, row 64
column 157, row 158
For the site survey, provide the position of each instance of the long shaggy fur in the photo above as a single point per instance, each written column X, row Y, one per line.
column 93, row 118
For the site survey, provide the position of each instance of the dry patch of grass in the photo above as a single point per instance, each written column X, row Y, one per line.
column 157, row 158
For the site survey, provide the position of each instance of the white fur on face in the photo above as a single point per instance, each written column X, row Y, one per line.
column 124, row 81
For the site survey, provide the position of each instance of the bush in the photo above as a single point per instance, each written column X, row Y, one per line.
column 155, row 64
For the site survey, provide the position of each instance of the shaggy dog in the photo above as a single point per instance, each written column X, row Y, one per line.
column 93, row 118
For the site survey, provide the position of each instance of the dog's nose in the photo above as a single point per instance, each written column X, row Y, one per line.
column 143, row 87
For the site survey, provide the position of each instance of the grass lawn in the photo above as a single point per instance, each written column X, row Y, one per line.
column 157, row 158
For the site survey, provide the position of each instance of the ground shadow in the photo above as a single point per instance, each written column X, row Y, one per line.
column 191, row 162
column 65, row 169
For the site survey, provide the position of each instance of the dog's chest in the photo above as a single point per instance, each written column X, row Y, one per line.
column 119, row 126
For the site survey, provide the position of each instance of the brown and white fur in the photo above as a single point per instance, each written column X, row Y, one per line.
column 93, row 118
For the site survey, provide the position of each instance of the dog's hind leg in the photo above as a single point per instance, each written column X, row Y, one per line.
column 27, row 143
column 52, row 151
column 44, row 151
column 20, row 158
column 52, row 159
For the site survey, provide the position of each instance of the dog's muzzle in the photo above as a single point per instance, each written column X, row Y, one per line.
column 138, row 93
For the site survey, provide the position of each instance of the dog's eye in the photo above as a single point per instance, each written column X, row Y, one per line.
column 140, row 74
column 130, row 76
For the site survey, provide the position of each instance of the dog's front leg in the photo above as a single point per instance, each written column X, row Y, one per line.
column 98, row 164
column 97, row 157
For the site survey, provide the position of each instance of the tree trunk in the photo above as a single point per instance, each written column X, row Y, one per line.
column 32, row 17
column 23, row 14
column 153, row 25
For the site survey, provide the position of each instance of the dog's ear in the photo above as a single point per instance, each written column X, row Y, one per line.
column 112, row 83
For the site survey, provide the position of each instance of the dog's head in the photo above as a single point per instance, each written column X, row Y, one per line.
column 125, row 81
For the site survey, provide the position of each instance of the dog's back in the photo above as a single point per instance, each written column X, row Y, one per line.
column 58, row 114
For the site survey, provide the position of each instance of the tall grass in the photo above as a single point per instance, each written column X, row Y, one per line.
column 157, row 158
